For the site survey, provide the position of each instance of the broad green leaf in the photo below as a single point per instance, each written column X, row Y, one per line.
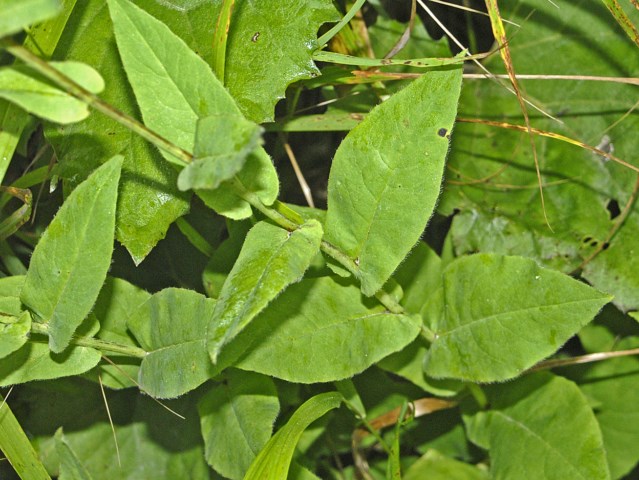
column 17, row 448
column 70, row 262
column 222, row 145
column 435, row 466
column 273, row 461
column 11, row 286
column 540, row 426
column 271, row 259
column 419, row 276
column 237, row 418
column 117, row 301
column 320, row 330
column 171, row 327
column 149, row 200
column 14, row 332
column 501, row 315
column 269, row 47
column 70, row 466
column 29, row 90
column 386, row 176
column 18, row 14
column 153, row 442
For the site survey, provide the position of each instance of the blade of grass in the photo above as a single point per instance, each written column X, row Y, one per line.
column 622, row 19
column 220, row 38
column 324, row 39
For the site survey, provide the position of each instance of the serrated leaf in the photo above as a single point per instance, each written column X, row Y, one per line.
column 70, row 466
column 273, row 461
column 501, row 315
column 271, row 259
column 38, row 95
column 239, row 414
column 321, row 331
column 540, row 417
column 386, row 176
column 71, row 260
column 14, row 332
column 171, row 327
column 18, row 14
column 222, row 145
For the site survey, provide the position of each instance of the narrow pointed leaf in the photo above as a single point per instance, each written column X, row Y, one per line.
column 386, row 176
column 70, row 466
column 18, row 14
column 321, row 331
column 271, row 259
column 238, row 414
column 171, row 327
column 70, row 263
column 501, row 315
column 274, row 461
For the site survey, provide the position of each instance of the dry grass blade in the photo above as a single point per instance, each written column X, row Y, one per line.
column 403, row 40
column 106, row 405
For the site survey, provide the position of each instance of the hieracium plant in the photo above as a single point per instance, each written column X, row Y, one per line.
column 456, row 298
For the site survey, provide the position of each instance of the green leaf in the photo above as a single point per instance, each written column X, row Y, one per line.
column 386, row 176
column 14, row 332
column 435, row 466
column 31, row 91
column 320, row 331
column 70, row 262
column 18, row 14
column 271, row 259
column 70, row 466
column 269, row 46
column 517, row 314
column 171, row 327
column 419, row 276
column 222, row 145
column 149, row 200
column 274, row 459
column 239, row 414
column 540, row 417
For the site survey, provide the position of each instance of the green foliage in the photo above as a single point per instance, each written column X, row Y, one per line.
column 427, row 275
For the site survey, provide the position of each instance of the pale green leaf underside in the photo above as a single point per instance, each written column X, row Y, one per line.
column 17, row 14
column 274, row 460
column 171, row 327
column 321, row 331
column 70, row 263
column 271, row 259
column 386, row 176
column 14, row 332
column 501, row 315
column 238, row 414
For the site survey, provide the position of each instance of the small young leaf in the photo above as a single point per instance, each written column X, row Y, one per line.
column 501, row 315
column 540, row 417
column 271, row 259
column 70, row 466
column 273, row 462
column 435, row 466
column 386, row 176
column 321, row 331
column 222, row 145
column 32, row 92
column 18, row 14
column 239, row 414
column 70, row 263
column 14, row 332
column 171, row 327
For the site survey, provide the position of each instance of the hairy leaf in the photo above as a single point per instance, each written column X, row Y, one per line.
column 70, row 262
column 14, row 331
column 386, row 176
column 503, row 314
column 271, row 259
column 171, row 327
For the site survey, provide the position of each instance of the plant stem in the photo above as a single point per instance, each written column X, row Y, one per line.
column 591, row 357
column 101, row 345
column 96, row 102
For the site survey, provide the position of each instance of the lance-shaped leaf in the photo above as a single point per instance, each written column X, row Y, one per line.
column 36, row 94
column 19, row 14
column 70, row 263
column 386, row 176
column 171, row 327
column 239, row 414
column 71, row 467
column 321, row 331
column 501, row 315
column 274, row 460
column 539, row 417
column 174, row 88
column 222, row 145
column 271, row 259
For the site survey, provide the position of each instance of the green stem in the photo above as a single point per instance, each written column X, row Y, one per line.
column 324, row 39
column 96, row 102
column 101, row 345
